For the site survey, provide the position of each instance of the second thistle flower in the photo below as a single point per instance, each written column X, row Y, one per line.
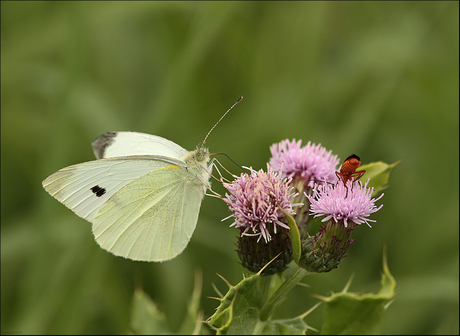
column 344, row 207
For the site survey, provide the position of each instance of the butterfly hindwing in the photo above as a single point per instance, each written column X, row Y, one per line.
column 152, row 218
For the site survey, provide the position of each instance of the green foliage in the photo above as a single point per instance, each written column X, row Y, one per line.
column 378, row 173
column 239, row 313
column 147, row 319
column 241, row 310
column 294, row 326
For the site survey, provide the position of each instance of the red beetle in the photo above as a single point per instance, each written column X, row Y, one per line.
column 348, row 169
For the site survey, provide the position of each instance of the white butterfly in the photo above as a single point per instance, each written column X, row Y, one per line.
column 143, row 194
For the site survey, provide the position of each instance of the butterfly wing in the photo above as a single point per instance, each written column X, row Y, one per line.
column 116, row 144
column 143, row 195
column 152, row 218
column 85, row 187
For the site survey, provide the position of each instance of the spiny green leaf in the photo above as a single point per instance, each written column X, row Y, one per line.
column 238, row 312
column 294, row 326
column 352, row 314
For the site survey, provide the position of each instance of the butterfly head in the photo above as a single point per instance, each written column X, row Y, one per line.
column 201, row 154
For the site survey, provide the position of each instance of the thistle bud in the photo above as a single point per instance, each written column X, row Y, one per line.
column 324, row 251
column 256, row 253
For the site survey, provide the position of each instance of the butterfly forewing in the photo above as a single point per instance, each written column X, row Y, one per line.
column 116, row 144
column 85, row 187
column 153, row 218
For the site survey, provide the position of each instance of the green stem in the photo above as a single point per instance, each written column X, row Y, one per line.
column 282, row 292
column 259, row 327
column 264, row 286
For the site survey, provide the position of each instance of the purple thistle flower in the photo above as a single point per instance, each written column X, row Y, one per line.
column 344, row 208
column 306, row 166
column 255, row 201
column 344, row 204
column 309, row 163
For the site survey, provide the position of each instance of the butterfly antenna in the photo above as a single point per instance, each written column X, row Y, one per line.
column 204, row 141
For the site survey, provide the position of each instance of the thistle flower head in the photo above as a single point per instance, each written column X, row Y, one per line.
column 308, row 163
column 344, row 208
column 255, row 201
column 305, row 166
column 346, row 204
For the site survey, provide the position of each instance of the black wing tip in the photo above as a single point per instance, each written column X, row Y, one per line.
column 102, row 142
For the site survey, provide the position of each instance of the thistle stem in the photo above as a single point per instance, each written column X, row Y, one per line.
column 264, row 286
column 282, row 292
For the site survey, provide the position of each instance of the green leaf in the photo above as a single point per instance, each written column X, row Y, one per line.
column 146, row 319
column 295, row 236
column 379, row 173
column 352, row 314
column 294, row 326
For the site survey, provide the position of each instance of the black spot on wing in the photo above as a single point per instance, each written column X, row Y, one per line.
column 98, row 191
column 102, row 142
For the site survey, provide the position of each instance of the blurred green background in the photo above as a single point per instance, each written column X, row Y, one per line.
column 379, row 79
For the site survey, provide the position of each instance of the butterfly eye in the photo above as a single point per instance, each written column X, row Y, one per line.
column 201, row 154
